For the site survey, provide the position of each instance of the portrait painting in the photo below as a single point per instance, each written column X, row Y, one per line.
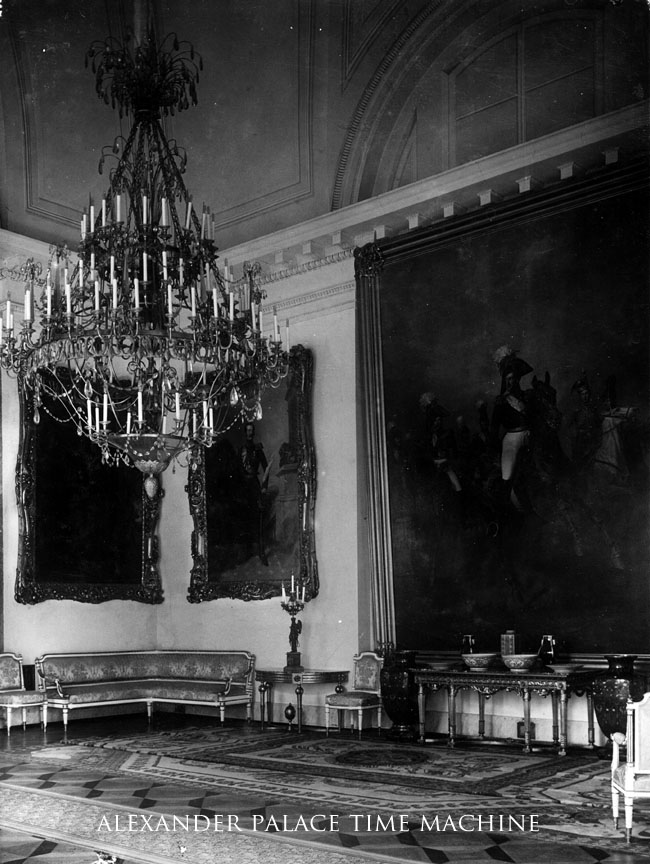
column 252, row 495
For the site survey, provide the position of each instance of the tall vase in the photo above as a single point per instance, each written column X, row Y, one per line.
column 611, row 689
column 399, row 694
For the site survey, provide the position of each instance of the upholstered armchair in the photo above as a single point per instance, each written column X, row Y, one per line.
column 365, row 695
column 631, row 779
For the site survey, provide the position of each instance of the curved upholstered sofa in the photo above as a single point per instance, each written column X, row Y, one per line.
column 210, row 678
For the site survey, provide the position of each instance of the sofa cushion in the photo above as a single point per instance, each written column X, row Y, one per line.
column 20, row 697
column 143, row 689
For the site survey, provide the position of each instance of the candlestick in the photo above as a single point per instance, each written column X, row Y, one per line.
column 293, row 604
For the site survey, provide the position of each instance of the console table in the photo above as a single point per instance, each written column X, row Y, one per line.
column 526, row 684
column 269, row 677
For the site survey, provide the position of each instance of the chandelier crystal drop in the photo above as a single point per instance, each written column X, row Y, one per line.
column 142, row 341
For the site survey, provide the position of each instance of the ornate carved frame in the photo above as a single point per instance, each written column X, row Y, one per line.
column 28, row 589
column 202, row 586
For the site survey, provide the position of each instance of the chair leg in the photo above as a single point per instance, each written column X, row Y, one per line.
column 44, row 716
column 24, row 718
column 615, row 797
column 629, row 806
column 8, row 711
column 379, row 721
column 327, row 720
column 360, row 721
column 65, row 719
column 340, row 718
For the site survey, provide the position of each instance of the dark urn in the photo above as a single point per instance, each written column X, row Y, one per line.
column 399, row 694
column 611, row 689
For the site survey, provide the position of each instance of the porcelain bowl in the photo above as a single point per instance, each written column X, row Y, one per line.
column 479, row 662
column 519, row 662
column 565, row 668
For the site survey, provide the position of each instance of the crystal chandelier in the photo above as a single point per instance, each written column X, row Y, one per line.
column 142, row 341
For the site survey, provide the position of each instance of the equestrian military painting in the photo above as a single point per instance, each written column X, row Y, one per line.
column 515, row 364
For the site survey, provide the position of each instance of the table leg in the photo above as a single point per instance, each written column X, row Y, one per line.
column 563, row 723
column 262, row 690
column 555, row 695
column 451, row 697
column 590, row 720
column 526, row 697
column 299, row 692
column 481, row 715
column 421, row 710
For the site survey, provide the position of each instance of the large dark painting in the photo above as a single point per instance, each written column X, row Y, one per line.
column 87, row 530
column 513, row 368
column 252, row 496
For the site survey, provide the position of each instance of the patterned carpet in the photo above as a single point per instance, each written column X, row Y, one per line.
column 310, row 799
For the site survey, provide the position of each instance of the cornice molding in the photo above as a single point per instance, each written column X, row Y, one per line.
column 306, row 266
column 330, row 299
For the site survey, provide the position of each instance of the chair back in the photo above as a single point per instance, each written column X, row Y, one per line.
column 367, row 671
column 639, row 717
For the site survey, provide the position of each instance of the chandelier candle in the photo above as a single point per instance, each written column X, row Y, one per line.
column 147, row 324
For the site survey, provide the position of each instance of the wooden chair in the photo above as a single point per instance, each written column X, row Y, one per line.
column 632, row 778
column 365, row 695
column 13, row 693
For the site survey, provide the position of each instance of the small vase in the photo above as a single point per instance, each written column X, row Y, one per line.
column 611, row 689
column 399, row 694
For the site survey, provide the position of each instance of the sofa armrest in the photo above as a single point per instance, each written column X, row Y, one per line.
column 51, row 682
column 228, row 686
